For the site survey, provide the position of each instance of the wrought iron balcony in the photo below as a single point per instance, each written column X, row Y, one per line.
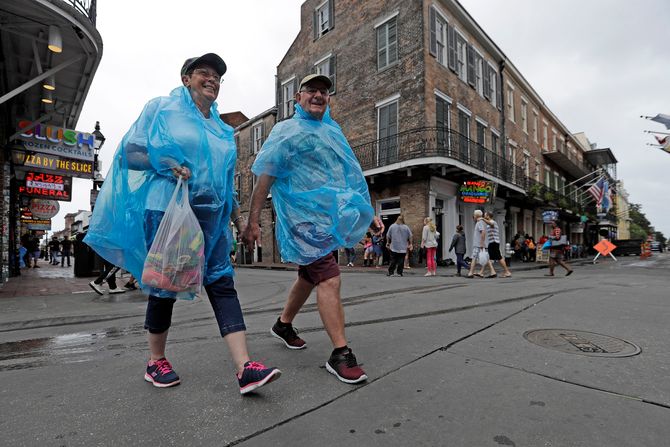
column 85, row 7
column 427, row 142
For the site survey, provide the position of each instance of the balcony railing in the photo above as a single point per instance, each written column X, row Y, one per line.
column 438, row 142
column 85, row 7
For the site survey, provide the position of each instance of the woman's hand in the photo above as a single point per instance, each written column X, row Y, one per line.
column 181, row 171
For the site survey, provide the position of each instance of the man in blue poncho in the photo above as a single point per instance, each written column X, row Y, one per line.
column 322, row 203
column 180, row 135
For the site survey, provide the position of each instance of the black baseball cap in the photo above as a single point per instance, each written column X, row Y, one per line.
column 211, row 59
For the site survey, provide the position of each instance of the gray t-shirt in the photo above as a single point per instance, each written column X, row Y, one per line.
column 399, row 235
column 480, row 227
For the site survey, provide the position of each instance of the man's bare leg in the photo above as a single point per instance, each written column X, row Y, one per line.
column 331, row 310
column 297, row 296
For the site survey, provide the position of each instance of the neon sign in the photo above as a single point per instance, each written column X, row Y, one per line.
column 477, row 191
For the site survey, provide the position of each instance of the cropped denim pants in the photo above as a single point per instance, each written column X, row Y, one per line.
column 222, row 296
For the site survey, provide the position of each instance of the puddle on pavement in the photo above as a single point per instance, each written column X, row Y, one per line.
column 74, row 348
column 69, row 348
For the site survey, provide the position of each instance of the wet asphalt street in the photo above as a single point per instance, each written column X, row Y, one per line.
column 523, row 361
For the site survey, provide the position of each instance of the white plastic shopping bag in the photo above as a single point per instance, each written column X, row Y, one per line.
column 483, row 257
column 177, row 255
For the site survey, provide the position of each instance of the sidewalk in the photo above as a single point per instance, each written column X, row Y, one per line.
column 56, row 280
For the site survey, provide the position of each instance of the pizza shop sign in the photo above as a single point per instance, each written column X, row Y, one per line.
column 44, row 209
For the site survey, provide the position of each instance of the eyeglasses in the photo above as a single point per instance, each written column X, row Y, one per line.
column 208, row 74
column 312, row 91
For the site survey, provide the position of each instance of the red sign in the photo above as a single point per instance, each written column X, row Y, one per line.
column 46, row 186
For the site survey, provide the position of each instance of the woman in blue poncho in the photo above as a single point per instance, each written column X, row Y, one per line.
column 179, row 135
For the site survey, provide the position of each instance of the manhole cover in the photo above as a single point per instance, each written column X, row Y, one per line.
column 581, row 342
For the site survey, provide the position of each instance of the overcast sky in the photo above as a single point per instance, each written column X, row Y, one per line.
column 597, row 64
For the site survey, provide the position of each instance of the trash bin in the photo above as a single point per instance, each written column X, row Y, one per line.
column 86, row 262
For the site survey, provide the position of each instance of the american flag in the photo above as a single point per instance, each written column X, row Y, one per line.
column 597, row 191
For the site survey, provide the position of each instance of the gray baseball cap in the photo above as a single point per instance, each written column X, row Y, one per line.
column 316, row 77
column 211, row 59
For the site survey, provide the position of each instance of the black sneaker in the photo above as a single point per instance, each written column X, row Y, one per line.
column 255, row 375
column 288, row 335
column 161, row 374
column 345, row 367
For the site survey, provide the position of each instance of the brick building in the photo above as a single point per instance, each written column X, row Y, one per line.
column 429, row 101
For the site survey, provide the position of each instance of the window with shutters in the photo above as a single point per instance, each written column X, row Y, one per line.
column 238, row 186
column 257, row 137
column 387, row 44
column 461, row 57
column 288, row 97
column 439, row 27
column 554, row 140
column 479, row 73
column 387, row 132
column 495, row 137
column 464, row 137
column 326, row 66
column 537, row 170
column 493, row 85
column 443, row 122
column 524, row 115
column 536, row 120
column 510, row 103
column 511, row 156
column 526, row 163
column 547, row 177
column 322, row 19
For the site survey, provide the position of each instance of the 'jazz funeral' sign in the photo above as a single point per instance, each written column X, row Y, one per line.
column 477, row 191
column 57, row 141
column 46, row 186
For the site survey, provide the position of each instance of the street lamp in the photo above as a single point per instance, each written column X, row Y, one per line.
column 97, row 145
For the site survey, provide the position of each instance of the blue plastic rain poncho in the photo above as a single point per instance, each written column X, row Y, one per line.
column 319, row 193
column 170, row 132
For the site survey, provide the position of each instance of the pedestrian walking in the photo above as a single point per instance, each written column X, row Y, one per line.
column 429, row 236
column 458, row 244
column 368, row 250
column 398, row 241
column 556, row 250
column 493, row 246
column 33, row 247
column 322, row 203
column 54, row 250
column 180, row 135
column 107, row 274
column 66, row 247
column 351, row 255
column 478, row 243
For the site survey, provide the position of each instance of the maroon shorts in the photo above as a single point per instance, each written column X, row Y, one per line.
column 319, row 270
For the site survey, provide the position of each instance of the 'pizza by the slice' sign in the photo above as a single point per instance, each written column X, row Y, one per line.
column 46, row 186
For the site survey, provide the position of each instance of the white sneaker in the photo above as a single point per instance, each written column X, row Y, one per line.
column 96, row 287
column 117, row 290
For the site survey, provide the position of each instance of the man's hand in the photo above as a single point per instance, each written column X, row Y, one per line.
column 251, row 234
